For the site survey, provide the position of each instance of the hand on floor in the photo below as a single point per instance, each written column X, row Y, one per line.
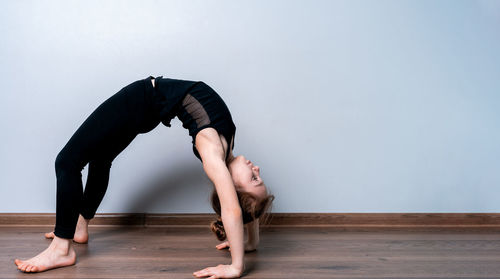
column 220, row 271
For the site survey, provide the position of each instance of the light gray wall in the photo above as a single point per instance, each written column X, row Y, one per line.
column 347, row 106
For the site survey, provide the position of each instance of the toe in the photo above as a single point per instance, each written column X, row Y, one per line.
column 32, row 268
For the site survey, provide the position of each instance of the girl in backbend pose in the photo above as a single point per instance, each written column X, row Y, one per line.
column 239, row 197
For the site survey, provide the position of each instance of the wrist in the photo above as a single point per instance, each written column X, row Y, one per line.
column 239, row 266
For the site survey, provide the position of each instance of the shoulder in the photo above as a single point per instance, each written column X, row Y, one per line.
column 209, row 144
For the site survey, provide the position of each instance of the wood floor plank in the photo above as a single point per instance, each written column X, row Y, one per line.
column 286, row 252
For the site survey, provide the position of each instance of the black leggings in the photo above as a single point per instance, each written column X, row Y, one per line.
column 99, row 139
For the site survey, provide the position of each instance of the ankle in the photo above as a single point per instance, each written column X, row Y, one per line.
column 62, row 244
column 81, row 218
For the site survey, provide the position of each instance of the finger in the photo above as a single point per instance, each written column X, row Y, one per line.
column 222, row 246
column 200, row 273
column 205, row 272
column 225, row 243
column 212, row 277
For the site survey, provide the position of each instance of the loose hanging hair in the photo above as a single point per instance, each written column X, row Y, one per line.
column 251, row 208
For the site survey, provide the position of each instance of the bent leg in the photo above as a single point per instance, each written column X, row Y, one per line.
column 95, row 188
column 121, row 114
column 109, row 124
column 98, row 175
column 69, row 194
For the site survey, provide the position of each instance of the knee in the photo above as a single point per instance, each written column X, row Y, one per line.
column 63, row 162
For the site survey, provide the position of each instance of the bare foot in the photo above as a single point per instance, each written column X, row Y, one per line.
column 60, row 253
column 81, row 233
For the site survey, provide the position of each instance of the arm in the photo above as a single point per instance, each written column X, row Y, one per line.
column 251, row 236
column 212, row 153
column 230, row 209
column 253, row 233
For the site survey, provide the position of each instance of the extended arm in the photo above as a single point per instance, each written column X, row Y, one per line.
column 253, row 233
column 212, row 153
column 230, row 209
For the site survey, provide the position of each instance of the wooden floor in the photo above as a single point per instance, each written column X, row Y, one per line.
column 139, row 252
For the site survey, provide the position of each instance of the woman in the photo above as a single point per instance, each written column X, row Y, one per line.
column 239, row 197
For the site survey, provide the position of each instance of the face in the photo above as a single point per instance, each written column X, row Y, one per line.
column 246, row 176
